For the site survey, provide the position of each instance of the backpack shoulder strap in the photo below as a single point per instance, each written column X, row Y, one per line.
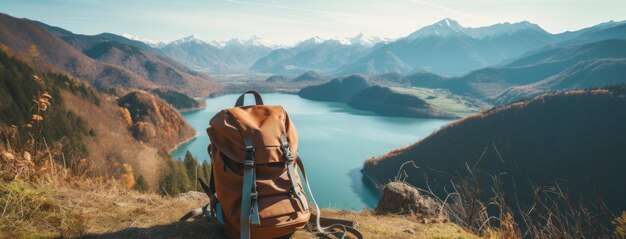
column 249, row 196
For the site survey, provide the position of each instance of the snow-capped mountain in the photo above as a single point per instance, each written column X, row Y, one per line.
column 234, row 55
column 447, row 48
column 149, row 42
column 366, row 40
column 188, row 39
column 444, row 28
column 503, row 29
column 315, row 53
column 451, row 28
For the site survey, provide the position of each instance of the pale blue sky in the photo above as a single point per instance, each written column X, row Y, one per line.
column 289, row 21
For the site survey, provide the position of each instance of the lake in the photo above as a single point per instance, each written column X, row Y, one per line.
column 335, row 140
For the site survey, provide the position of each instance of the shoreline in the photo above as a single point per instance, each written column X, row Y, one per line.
column 169, row 152
column 372, row 181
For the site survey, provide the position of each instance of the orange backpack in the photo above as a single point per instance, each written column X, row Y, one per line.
column 255, row 188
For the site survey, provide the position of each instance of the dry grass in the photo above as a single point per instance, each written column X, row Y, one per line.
column 107, row 210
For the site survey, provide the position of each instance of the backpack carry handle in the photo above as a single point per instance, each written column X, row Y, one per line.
column 257, row 98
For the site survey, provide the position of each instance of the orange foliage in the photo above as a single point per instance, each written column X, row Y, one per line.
column 128, row 178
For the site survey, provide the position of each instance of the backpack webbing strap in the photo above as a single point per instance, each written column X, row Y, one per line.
column 328, row 226
column 249, row 196
column 291, row 171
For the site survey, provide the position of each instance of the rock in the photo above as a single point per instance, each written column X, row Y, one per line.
column 199, row 197
column 401, row 198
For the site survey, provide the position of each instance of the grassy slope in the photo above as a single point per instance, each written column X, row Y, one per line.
column 96, row 210
column 442, row 100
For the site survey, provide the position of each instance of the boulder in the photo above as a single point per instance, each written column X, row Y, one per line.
column 403, row 199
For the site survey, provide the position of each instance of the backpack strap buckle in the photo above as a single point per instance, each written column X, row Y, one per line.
column 248, row 161
column 291, row 171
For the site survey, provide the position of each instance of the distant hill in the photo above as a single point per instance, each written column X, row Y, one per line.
column 309, row 76
column 276, row 78
column 385, row 101
column 153, row 121
column 574, row 138
column 22, row 35
column 88, row 126
column 339, row 89
column 179, row 100
column 312, row 54
column 234, row 56
column 555, row 63
column 585, row 74
column 154, row 67
column 358, row 92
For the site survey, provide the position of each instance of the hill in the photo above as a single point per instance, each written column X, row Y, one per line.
column 573, row 139
column 276, row 78
column 156, row 68
column 83, row 123
column 153, row 121
column 29, row 38
column 309, row 76
column 385, row 101
column 179, row 100
column 585, row 74
column 558, row 62
column 339, row 89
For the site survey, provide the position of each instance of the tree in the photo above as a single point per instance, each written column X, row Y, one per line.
column 142, row 185
column 192, row 168
column 206, row 171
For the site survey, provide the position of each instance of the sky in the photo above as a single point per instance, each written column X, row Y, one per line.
column 286, row 22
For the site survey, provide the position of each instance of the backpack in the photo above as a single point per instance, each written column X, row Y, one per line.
column 255, row 189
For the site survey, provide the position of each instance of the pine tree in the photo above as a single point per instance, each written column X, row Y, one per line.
column 180, row 177
column 206, row 171
column 193, row 171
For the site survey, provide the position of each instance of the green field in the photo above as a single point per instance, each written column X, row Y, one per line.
column 441, row 99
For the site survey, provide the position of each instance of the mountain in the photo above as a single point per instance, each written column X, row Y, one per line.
column 309, row 76
column 432, row 47
column 609, row 31
column 574, row 139
column 157, row 68
column 27, row 37
column 84, row 42
column 575, row 64
column 385, row 101
column 232, row 56
column 339, row 89
column 311, row 54
column 149, row 63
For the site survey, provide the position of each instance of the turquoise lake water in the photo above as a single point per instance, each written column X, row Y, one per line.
column 335, row 140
